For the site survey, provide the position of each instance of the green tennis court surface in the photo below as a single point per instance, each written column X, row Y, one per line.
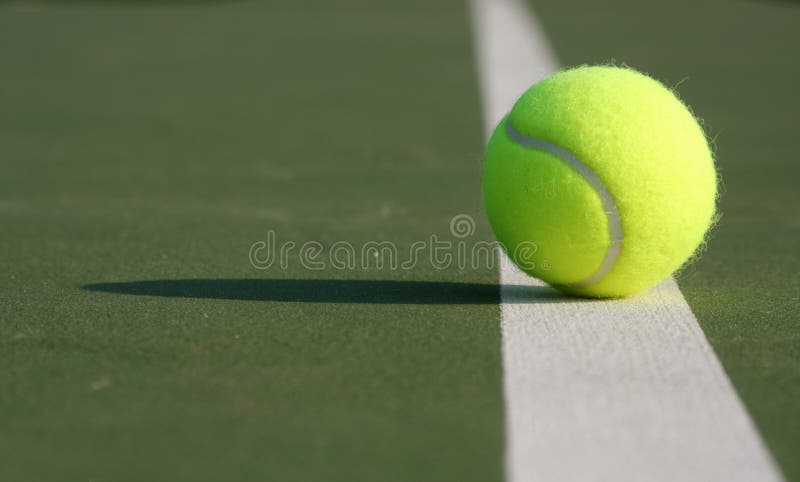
column 146, row 146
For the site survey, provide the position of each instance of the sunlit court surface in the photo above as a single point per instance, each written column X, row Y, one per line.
column 248, row 240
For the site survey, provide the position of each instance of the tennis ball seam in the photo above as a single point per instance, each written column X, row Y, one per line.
column 607, row 201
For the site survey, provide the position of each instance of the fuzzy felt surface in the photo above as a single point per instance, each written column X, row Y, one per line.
column 647, row 149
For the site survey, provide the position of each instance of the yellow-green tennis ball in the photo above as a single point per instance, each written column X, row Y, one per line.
column 600, row 182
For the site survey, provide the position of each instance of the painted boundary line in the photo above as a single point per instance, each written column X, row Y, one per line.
column 622, row 391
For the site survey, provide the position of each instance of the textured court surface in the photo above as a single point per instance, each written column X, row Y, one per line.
column 147, row 145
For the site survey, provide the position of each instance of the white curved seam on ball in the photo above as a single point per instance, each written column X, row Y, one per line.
column 609, row 206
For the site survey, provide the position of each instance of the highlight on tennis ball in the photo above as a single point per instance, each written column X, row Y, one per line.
column 608, row 174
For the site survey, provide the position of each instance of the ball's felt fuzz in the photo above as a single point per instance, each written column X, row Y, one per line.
column 600, row 182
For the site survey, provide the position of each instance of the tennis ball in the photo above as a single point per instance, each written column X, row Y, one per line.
column 599, row 182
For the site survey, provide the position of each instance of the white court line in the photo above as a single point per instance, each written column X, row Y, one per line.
column 618, row 391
